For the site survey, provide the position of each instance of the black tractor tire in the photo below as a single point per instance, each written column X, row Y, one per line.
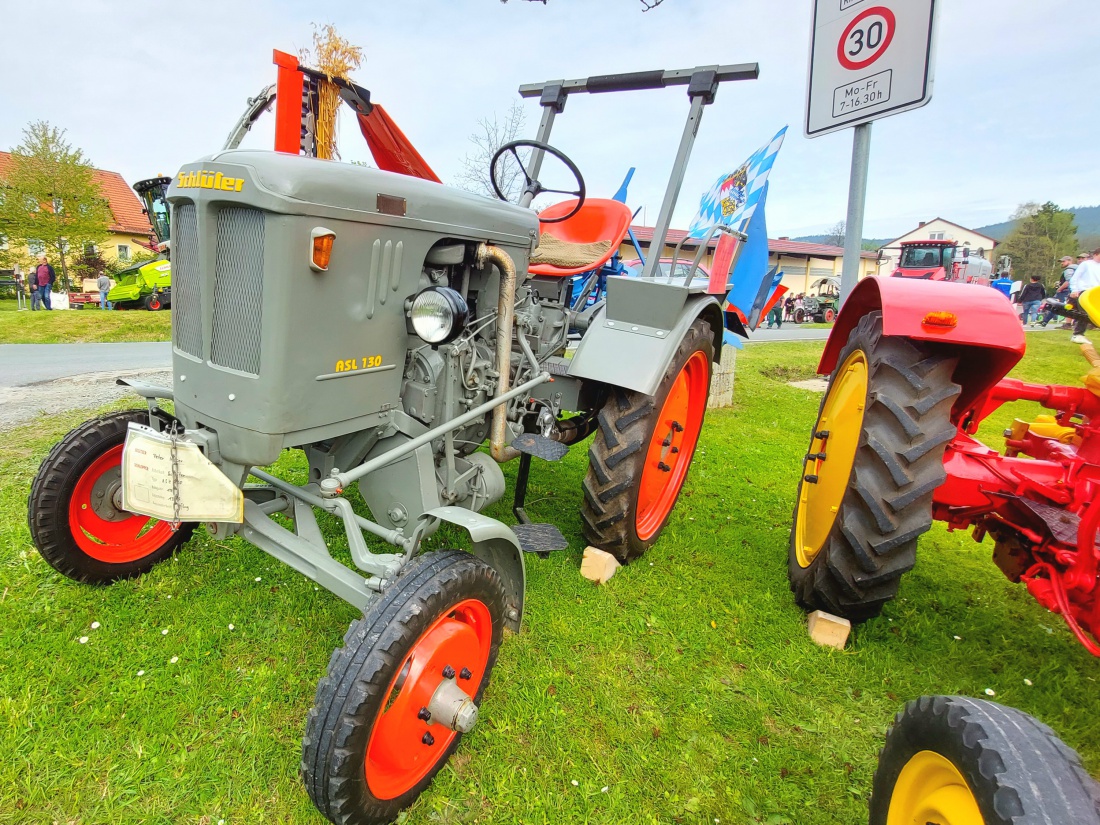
column 362, row 683
column 153, row 303
column 800, row 316
column 1016, row 769
column 623, row 450
column 898, row 463
column 66, row 533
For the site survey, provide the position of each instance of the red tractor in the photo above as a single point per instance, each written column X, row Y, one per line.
column 941, row 261
column 915, row 366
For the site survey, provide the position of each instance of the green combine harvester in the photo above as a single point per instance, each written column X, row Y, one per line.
column 148, row 285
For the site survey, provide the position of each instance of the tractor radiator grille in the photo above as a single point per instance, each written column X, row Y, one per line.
column 186, row 282
column 238, row 290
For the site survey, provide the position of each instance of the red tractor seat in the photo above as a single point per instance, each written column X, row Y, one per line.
column 583, row 242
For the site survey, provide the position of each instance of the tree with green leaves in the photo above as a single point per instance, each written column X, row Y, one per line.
column 1041, row 236
column 49, row 199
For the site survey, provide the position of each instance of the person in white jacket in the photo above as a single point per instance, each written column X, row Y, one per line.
column 1086, row 276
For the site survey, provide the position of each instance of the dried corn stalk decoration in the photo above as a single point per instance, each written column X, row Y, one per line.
column 335, row 57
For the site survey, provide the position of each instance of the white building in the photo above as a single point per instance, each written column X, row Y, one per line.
column 938, row 229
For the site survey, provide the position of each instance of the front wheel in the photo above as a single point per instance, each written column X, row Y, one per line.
column 830, row 315
column 404, row 687
column 153, row 302
column 642, row 451
column 799, row 316
column 874, row 459
column 952, row 760
column 75, row 508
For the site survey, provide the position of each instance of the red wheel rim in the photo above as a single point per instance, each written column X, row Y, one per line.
column 154, row 304
column 396, row 756
column 672, row 445
column 124, row 538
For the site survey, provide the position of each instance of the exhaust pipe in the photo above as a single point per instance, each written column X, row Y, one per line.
column 485, row 254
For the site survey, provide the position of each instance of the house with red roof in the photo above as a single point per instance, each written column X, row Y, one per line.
column 129, row 229
column 802, row 263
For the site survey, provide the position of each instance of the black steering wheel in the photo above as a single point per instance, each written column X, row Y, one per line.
column 532, row 185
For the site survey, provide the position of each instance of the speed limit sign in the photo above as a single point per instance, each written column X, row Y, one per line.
column 868, row 59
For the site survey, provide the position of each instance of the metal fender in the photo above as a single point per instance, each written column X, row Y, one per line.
column 635, row 355
column 987, row 333
column 496, row 545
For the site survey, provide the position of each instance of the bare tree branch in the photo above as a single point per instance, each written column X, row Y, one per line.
column 489, row 137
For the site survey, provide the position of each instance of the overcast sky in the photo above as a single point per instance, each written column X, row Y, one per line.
column 145, row 87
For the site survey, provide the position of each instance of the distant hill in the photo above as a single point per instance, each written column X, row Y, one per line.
column 1087, row 219
column 828, row 239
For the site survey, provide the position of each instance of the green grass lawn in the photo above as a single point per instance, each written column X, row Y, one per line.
column 82, row 326
column 684, row 690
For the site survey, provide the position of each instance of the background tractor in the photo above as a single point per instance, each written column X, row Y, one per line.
column 915, row 366
column 821, row 304
column 942, row 261
column 390, row 328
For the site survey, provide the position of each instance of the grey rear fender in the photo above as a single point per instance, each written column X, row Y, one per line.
column 632, row 346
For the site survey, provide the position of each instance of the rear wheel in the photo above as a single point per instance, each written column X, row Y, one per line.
column 875, row 457
column 952, row 760
column 75, row 508
column 398, row 695
column 642, row 451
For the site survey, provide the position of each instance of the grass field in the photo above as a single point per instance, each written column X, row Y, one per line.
column 82, row 326
column 684, row 690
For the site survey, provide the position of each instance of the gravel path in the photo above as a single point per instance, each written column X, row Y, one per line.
column 18, row 405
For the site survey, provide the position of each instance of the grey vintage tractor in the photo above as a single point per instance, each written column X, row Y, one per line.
column 397, row 332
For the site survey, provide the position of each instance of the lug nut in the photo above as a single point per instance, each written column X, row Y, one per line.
column 448, row 672
column 667, row 442
column 465, row 673
column 675, row 449
column 821, row 434
column 810, row 479
column 664, row 468
column 677, row 426
column 428, row 739
column 424, row 714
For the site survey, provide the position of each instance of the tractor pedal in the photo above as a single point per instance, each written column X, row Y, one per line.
column 540, row 447
column 540, row 538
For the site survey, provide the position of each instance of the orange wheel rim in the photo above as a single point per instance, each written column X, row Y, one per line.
column 99, row 527
column 672, row 445
column 397, row 757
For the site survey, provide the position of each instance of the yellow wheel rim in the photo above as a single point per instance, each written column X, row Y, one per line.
column 931, row 791
column 837, row 437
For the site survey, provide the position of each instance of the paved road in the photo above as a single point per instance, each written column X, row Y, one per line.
column 23, row 364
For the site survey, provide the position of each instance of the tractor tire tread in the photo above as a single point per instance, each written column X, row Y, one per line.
column 897, row 466
column 47, row 504
column 617, row 452
column 360, row 671
column 1019, row 771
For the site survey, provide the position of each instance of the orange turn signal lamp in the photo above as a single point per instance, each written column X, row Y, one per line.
column 321, row 252
column 940, row 319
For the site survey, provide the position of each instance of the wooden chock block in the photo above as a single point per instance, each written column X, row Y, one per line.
column 598, row 566
column 827, row 629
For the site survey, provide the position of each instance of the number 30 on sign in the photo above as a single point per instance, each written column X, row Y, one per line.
column 866, row 38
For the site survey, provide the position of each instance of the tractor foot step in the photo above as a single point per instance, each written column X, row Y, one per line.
column 540, row 447
column 539, row 538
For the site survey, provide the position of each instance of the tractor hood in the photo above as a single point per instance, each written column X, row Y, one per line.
column 294, row 183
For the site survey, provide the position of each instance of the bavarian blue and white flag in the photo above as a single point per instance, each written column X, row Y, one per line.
column 733, row 198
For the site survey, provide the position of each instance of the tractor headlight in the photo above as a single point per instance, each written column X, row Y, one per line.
column 438, row 314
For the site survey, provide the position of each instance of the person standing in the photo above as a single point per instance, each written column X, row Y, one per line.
column 1030, row 298
column 1086, row 276
column 775, row 315
column 104, row 285
column 1062, row 292
column 44, row 278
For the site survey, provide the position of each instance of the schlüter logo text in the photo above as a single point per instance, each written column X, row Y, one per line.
column 209, row 180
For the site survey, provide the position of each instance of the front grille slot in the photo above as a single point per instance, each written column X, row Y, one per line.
column 238, row 290
column 186, row 282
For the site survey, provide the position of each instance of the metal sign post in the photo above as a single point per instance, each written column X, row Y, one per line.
column 868, row 59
